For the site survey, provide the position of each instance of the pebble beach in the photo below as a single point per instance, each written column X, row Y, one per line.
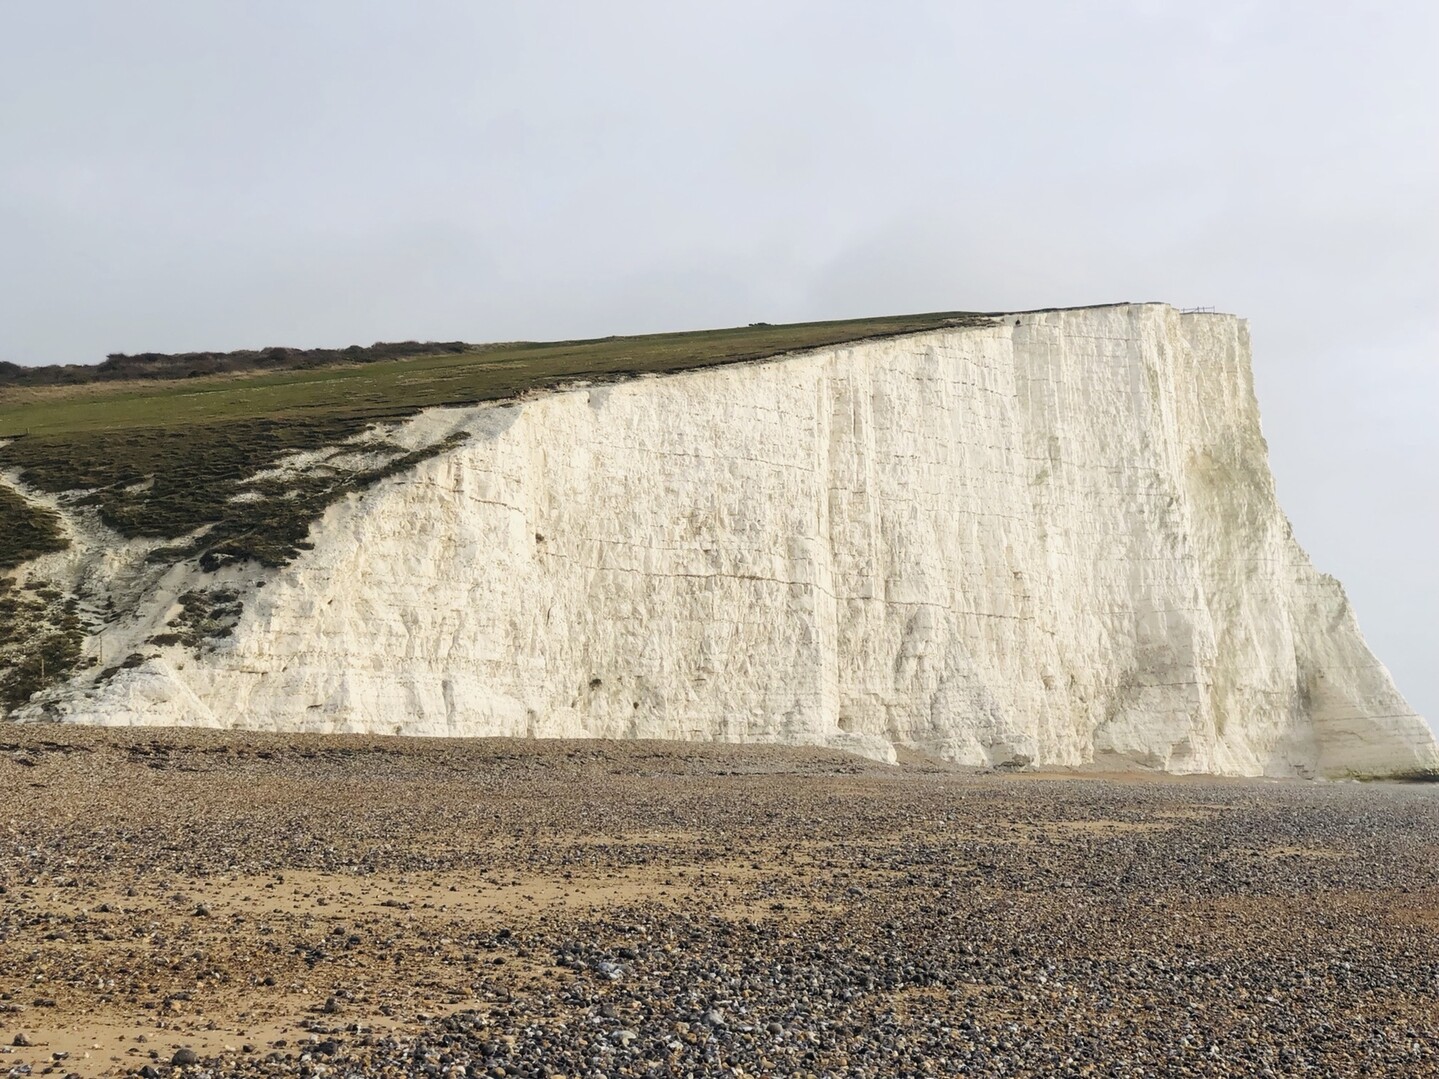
column 202, row 903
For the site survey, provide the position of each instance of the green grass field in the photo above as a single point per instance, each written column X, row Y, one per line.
column 388, row 388
column 163, row 458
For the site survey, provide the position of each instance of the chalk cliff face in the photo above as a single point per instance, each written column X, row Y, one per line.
column 1053, row 540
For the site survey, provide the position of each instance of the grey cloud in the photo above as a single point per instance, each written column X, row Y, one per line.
column 179, row 175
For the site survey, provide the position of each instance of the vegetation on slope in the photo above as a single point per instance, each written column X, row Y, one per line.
column 162, row 458
column 40, row 638
column 40, row 633
column 28, row 530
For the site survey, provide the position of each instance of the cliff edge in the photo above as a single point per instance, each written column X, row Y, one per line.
column 1052, row 539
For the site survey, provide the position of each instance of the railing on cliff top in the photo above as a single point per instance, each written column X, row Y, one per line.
column 1197, row 311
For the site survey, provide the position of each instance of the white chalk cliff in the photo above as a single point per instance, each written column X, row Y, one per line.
column 1053, row 540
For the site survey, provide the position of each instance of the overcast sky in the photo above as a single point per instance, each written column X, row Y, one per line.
column 205, row 175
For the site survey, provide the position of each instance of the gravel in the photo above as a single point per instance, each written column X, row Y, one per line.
column 380, row 907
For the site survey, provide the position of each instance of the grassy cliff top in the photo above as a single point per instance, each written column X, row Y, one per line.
column 385, row 388
column 162, row 457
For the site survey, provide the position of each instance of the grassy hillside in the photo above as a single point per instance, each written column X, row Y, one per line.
column 161, row 458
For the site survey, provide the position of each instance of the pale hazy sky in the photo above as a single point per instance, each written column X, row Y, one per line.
column 206, row 175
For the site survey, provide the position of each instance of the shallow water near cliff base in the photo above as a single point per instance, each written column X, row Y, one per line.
column 288, row 905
